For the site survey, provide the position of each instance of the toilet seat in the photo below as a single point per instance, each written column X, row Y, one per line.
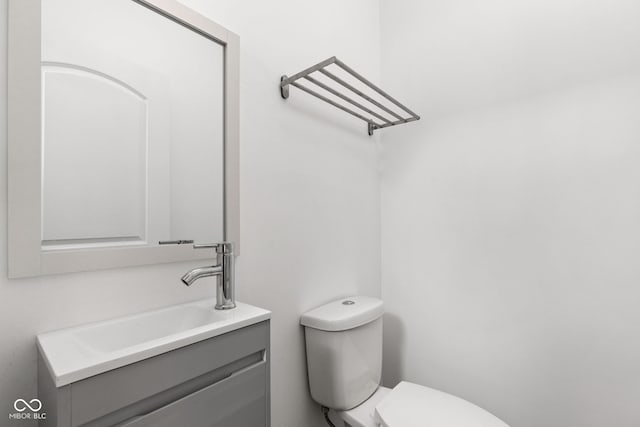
column 413, row 405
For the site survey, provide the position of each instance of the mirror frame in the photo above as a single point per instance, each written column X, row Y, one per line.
column 25, row 254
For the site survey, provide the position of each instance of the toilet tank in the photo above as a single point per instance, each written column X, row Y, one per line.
column 344, row 351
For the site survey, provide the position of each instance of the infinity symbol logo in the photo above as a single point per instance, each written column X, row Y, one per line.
column 21, row 405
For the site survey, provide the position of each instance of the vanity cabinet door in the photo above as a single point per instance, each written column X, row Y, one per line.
column 117, row 395
column 237, row 401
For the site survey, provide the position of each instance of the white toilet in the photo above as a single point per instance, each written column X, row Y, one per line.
column 344, row 361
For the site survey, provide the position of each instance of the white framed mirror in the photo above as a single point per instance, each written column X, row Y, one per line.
column 123, row 134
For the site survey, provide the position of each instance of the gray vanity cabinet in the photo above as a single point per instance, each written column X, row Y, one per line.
column 220, row 382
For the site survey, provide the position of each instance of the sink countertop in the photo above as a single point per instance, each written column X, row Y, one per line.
column 83, row 351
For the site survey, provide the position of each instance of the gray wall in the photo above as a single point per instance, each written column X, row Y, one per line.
column 511, row 211
column 309, row 185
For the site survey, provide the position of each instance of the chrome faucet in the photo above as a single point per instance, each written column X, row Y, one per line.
column 224, row 270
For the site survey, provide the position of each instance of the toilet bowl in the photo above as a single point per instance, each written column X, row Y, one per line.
column 364, row 415
column 344, row 361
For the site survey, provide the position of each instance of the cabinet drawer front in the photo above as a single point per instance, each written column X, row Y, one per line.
column 237, row 401
column 106, row 393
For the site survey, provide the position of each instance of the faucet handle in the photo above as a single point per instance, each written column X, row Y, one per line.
column 205, row 246
column 221, row 248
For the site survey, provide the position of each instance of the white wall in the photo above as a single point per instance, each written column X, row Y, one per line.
column 310, row 204
column 511, row 211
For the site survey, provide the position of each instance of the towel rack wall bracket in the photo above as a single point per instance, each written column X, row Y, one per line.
column 284, row 89
column 370, row 128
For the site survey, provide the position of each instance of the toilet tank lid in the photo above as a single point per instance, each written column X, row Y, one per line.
column 345, row 313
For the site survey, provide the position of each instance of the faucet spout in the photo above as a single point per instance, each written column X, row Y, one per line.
column 197, row 273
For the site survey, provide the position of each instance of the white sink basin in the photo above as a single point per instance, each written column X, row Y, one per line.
column 118, row 334
column 80, row 352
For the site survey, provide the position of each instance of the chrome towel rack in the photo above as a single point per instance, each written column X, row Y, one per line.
column 385, row 116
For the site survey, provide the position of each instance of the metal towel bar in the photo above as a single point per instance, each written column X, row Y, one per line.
column 375, row 121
